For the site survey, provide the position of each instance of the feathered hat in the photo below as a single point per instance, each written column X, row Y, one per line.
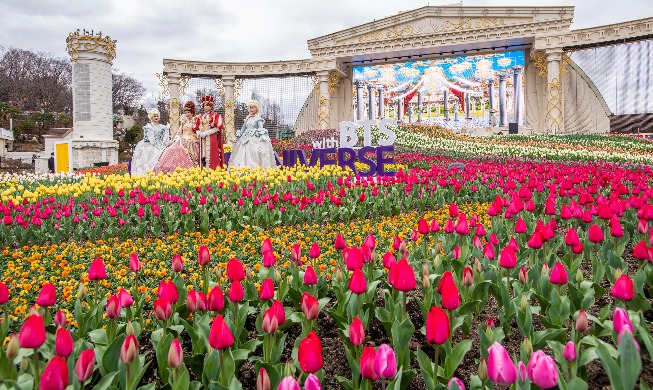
column 208, row 99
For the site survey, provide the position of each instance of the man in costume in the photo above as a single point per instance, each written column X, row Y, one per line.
column 209, row 126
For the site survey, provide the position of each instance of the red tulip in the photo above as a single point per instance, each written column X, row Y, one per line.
column 357, row 283
column 595, row 234
column 296, row 254
column 403, row 277
column 310, row 353
column 450, row 296
column 423, row 227
column 578, row 249
column 269, row 259
column 500, row 367
column 340, row 243
column 220, row 336
column 370, row 241
column 462, row 227
column 616, row 229
column 4, row 294
column 175, row 354
column 279, row 312
column 55, row 375
column 192, row 301
column 270, row 323
column 235, row 271
column 310, row 306
column 113, row 307
column 513, row 244
column 47, row 296
column 508, row 259
column 488, row 251
column 63, row 343
column 571, row 237
column 535, row 242
column 310, row 277
column 434, row 226
column 446, row 278
column 437, row 326
column 202, row 302
column 389, row 260
column 168, row 290
column 414, row 236
column 623, row 288
column 640, row 252
column 468, row 277
column 129, row 349
column 85, row 365
column 453, row 210
column 203, row 256
column 267, row 290
column 366, row 254
column 354, row 259
column 356, row 332
column 177, row 263
column 314, row 253
column 97, row 271
column 448, row 227
column 134, row 263
column 236, row 292
column 215, row 299
column 60, row 319
column 558, row 274
column 480, row 230
column 367, row 363
column 124, row 298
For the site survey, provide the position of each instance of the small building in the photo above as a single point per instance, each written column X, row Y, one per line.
column 6, row 141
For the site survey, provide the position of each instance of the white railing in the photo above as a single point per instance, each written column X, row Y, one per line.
column 6, row 134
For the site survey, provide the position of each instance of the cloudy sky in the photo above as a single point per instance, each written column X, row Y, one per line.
column 227, row 30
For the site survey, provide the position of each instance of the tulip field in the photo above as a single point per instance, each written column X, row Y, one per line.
column 516, row 262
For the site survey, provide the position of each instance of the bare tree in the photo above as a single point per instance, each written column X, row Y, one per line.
column 127, row 92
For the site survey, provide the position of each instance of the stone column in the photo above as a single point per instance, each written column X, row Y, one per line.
column 517, row 81
column 381, row 104
column 419, row 106
column 92, row 136
column 428, row 110
column 490, row 93
column 174, row 111
column 446, row 104
column 370, row 102
column 324, row 112
column 455, row 111
column 554, row 119
column 503, row 114
column 468, row 107
column 360, row 102
column 400, row 110
column 229, row 108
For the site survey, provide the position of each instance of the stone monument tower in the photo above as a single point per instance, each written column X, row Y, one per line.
column 92, row 136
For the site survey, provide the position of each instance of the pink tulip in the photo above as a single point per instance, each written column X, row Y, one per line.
column 55, row 375
column 97, row 270
column 113, row 307
column 620, row 320
column 267, row 290
column 63, row 343
column 263, row 380
column 340, row 243
column 177, row 263
column 310, row 306
column 314, row 253
column 124, row 298
column 203, row 256
column 60, row 319
column 623, row 288
column 312, row 383
column 270, row 323
column 296, row 254
column 48, row 296
column 215, row 299
column 457, row 381
column 569, row 352
column 175, row 354
column 500, row 367
column 288, row 383
column 542, row 370
column 385, row 362
column 235, row 270
column 558, row 274
column 269, row 259
column 508, row 259
column 220, row 336
column 129, row 349
column 279, row 312
column 236, row 292
column 356, row 332
column 162, row 309
column 85, row 365
column 310, row 277
column 134, row 263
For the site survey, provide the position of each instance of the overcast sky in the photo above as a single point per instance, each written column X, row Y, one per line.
column 227, row 30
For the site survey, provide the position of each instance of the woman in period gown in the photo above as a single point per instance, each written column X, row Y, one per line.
column 253, row 147
column 147, row 152
column 183, row 152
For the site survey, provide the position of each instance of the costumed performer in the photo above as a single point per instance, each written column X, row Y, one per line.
column 253, row 147
column 209, row 127
column 183, row 151
column 156, row 137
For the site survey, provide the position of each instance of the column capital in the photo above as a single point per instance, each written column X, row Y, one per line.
column 228, row 80
column 359, row 83
column 554, row 54
column 173, row 77
column 517, row 69
column 502, row 76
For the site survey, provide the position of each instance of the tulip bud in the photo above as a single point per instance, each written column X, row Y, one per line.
column 288, row 370
column 175, row 354
column 277, row 276
column 33, row 311
column 24, row 364
column 523, row 276
column 339, row 276
column 482, row 370
column 437, row 261
column 218, row 273
column 582, row 324
column 478, row 267
column 569, row 352
column 263, row 380
column 60, row 319
column 81, row 291
column 13, row 347
column 402, row 248
column 527, row 346
column 545, row 269
column 426, row 283
column 129, row 329
column 579, row 277
column 129, row 349
column 468, row 277
column 524, row 302
column 617, row 273
column 425, row 269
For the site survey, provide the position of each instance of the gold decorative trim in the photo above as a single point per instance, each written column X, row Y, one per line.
column 404, row 32
column 219, row 85
column 334, row 80
column 553, row 106
column 446, row 26
column 229, row 118
column 566, row 61
column 315, row 81
column 539, row 60
column 183, row 84
column 238, row 86
column 173, row 111
column 83, row 41
column 163, row 82
column 324, row 113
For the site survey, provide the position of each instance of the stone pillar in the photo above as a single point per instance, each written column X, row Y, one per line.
column 455, row 111
column 229, row 108
column 428, row 110
column 446, row 104
column 92, row 136
column 324, row 112
column 381, row 104
column 360, row 102
column 370, row 102
column 468, row 107
column 490, row 93
column 419, row 106
column 400, row 110
column 174, row 111
column 503, row 114
column 517, row 82
column 554, row 118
